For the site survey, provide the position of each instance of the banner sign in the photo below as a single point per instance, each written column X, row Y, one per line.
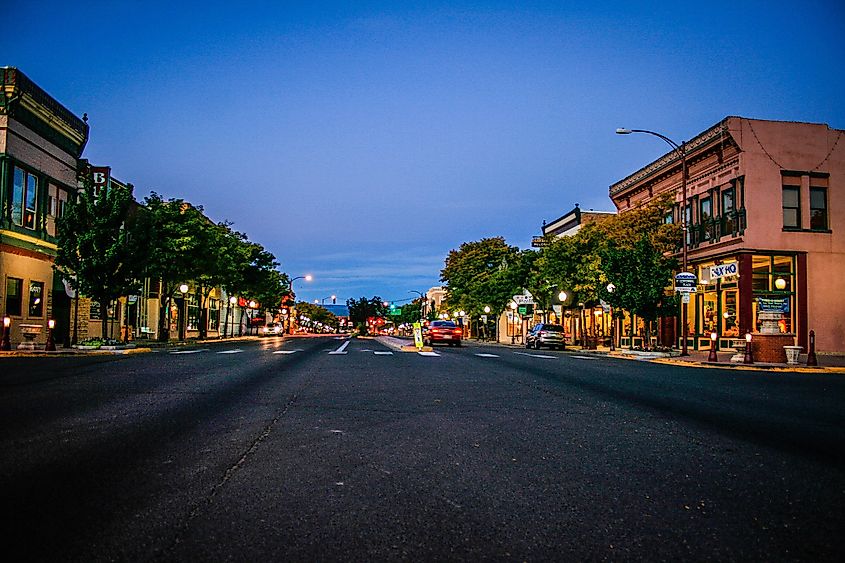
column 724, row 270
column 418, row 339
column 100, row 176
column 779, row 305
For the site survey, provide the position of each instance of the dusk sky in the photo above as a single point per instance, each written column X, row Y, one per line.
column 361, row 141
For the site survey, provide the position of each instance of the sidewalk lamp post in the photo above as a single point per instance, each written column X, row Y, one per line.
column 232, row 301
column 51, row 344
column 183, row 312
column 6, row 344
column 513, row 322
column 711, row 357
column 681, row 151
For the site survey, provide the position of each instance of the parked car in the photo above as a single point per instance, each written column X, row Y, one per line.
column 545, row 334
column 272, row 329
column 442, row 332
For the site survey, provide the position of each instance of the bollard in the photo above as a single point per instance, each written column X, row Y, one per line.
column 5, row 344
column 811, row 355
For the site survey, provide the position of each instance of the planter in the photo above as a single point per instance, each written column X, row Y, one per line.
column 29, row 332
column 792, row 353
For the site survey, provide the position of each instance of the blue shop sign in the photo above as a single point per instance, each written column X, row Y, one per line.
column 779, row 305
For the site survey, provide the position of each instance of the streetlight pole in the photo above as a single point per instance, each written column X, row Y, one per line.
column 422, row 301
column 306, row 277
column 681, row 151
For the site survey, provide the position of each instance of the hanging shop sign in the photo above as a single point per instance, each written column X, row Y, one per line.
column 100, row 176
column 724, row 270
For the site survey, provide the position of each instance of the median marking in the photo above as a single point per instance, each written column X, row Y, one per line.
column 487, row 355
column 536, row 356
column 341, row 350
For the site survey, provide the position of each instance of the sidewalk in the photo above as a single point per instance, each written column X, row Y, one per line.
column 137, row 347
column 697, row 358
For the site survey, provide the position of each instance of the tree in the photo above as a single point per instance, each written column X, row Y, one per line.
column 173, row 241
column 318, row 314
column 362, row 309
column 98, row 244
column 261, row 281
column 484, row 272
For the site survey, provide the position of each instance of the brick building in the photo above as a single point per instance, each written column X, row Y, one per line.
column 766, row 214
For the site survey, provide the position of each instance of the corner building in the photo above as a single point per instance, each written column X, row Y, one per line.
column 41, row 142
column 765, row 210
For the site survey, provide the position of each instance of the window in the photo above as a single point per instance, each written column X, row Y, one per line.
column 14, row 300
column 705, row 214
column 818, row 208
column 791, row 207
column 36, row 299
column 24, row 199
column 213, row 314
column 193, row 312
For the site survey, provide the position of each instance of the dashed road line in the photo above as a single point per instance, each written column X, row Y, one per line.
column 190, row 351
column 377, row 353
column 583, row 357
column 341, row 350
column 235, row 351
column 487, row 355
column 429, row 354
column 287, row 351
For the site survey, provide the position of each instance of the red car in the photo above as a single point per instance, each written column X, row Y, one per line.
column 443, row 332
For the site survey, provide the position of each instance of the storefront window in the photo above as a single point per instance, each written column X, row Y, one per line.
column 36, row 299
column 14, row 299
column 710, row 313
column 729, row 312
column 193, row 312
column 774, row 280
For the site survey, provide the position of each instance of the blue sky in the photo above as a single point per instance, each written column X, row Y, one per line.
column 361, row 141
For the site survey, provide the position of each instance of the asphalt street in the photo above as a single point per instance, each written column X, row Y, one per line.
column 332, row 449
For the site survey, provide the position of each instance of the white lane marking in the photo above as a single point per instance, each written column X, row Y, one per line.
column 190, row 351
column 236, row 351
column 583, row 357
column 342, row 349
column 287, row 351
column 487, row 355
column 365, row 350
column 536, row 356
column 434, row 354
column 377, row 353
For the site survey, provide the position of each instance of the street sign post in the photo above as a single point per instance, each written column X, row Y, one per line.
column 685, row 282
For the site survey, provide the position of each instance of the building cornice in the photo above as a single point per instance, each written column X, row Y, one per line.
column 672, row 158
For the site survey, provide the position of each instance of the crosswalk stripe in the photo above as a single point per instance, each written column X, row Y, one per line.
column 536, row 356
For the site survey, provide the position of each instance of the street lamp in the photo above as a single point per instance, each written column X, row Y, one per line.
column 513, row 307
column 681, row 150
column 422, row 302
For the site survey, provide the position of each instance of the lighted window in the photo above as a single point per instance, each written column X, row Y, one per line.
column 193, row 312
column 818, row 208
column 791, row 207
column 14, row 298
column 36, row 299
column 24, row 199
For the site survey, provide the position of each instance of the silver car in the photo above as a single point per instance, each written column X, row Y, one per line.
column 545, row 334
